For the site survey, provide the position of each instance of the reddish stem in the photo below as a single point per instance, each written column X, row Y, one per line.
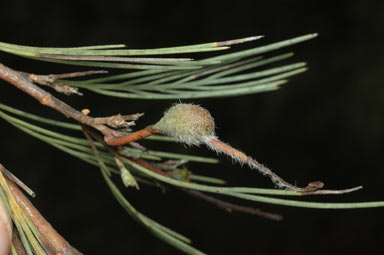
column 243, row 158
column 132, row 137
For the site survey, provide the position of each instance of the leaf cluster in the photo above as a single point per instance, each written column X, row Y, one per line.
column 231, row 74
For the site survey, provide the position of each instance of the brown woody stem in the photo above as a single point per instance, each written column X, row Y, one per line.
column 51, row 241
column 18, row 80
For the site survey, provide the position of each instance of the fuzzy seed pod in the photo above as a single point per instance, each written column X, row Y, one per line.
column 191, row 124
column 194, row 125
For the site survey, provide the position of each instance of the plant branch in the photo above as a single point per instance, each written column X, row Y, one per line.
column 119, row 121
column 218, row 202
column 17, row 181
column 50, row 239
column 21, row 82
column 132, row 137
column 229, row 207
column 234, row 153
column 215, row 201
column 50, row 80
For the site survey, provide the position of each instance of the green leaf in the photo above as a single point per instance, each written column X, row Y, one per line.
column 168, row 236
column 173, row 78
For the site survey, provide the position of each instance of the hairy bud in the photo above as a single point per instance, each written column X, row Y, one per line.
column 191, row 124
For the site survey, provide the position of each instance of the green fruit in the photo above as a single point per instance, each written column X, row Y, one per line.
column 191, row 124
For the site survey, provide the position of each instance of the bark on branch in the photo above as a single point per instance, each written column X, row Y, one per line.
column 18, row 80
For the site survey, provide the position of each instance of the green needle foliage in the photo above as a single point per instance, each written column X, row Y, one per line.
column 230, row 74
column 174, row 78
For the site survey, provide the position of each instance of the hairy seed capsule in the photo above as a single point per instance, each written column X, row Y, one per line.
column 191, row 124
column 194, row 125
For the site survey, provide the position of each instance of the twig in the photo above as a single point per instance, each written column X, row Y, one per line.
column 50, row 80
column 138, row 146
column 313, row 188
column 88, row 132
column 220, row 203
column 18, row 80
column 54, row 77
column 119, row 121
column 65, row 89
column 171, row 164
column 132, row 137
column 154, row 168
column 220, row 147
column 229, row 207
column 16, row 180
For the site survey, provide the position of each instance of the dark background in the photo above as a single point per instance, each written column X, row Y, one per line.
column 326, row 124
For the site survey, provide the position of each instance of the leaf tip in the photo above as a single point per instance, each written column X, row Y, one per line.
column 302, row 64
column 313, row 35
column 238, row 41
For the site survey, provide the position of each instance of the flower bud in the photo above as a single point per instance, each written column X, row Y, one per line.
column 191, row 124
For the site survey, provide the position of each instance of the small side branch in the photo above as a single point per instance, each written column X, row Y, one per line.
column 132, row 137
column 65, row 89
column 220, row 203
column 17, row 181
column 18, row 80
column 233, row 207
column 54, row 77
column 51, row 80
column 119, row 121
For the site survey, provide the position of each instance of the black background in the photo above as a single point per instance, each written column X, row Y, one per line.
column 326, row 124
